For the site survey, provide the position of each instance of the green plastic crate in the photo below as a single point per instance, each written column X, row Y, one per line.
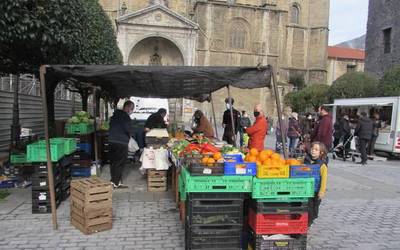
column 79, row 128
column 69, row 144
column 215, row 184
column 36, row 152
column 181, row 188
column 283, row 188
column 18, row 159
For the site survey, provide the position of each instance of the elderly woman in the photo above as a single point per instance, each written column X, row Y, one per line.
column 294, row 132
column 202, row 125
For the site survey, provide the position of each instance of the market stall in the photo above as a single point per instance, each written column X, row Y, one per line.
column 196, row 83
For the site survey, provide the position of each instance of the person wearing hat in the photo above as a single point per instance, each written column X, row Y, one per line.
column 229, row 131
column 294, row 132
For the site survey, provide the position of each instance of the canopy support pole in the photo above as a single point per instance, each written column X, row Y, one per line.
column 213, row 111
column 231, row 111
column 94, row 99
column 279, row 109
column 47, row 140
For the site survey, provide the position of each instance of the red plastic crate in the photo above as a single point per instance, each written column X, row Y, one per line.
column 278, row 223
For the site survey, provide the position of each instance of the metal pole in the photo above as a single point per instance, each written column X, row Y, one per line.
column 213, row 111
column 15, row 126
column 94, row 100
column 47, row 140
column 279, row 109
column 231, row 110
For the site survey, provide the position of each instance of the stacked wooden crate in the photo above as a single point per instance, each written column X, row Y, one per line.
column 91, row 205
column 157, row 180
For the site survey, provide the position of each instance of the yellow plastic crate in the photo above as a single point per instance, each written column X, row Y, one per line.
column 265, row 171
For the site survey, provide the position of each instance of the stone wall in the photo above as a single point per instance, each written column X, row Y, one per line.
column 338, row 67
column 382, row 15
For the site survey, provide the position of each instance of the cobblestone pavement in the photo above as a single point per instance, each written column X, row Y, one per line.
column 361, row 211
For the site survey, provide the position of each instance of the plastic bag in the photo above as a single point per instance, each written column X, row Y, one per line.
column 148, row 158
column 132, row 145
column 161, row 159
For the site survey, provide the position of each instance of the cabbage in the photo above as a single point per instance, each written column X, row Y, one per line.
column 85, row 120
column 74, row 119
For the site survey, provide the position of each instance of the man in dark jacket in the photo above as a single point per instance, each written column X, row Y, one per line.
column 156, row 120
column 364, row 132
column 229, row 132
column 119, row 135
column 323, row 129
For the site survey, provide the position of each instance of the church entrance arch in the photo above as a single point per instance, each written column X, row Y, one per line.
column 156, row 51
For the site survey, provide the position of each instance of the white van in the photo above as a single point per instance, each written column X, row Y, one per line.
column 389, row 111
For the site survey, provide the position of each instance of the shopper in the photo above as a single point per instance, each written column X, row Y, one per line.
column 202, row 124
column 323, row 128
column 119, row 135
column 317, row 155
column 156, row 120
column 244, row 122
column 294, row 132
column 281, row 133
column 258, row 131
column 346, row 133
column 377, row 125
column 229, row 131
column 364, row 132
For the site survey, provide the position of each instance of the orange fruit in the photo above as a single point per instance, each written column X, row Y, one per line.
column 275, row 156
column 269, row 152
column 217, row 156
column 210, row 162
column 259, row 163
column 254, row 152
column 262, row 157
column 263, row 153
column 204, row 160
column 252, row 158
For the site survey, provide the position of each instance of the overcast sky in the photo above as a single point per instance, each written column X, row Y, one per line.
column 348, row 20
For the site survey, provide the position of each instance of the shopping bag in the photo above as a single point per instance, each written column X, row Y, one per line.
column 161, row 159
column 132, row 145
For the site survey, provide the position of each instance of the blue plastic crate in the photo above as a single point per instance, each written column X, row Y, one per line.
column 85, row 147
column 233, row 157
column 81, row 172
column 9, row 183
column 240, row 168
column 307, row 171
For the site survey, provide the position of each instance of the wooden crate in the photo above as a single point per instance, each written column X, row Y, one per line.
column 157, row 180
column 91, row 205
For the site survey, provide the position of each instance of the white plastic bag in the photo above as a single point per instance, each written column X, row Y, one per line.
column 148, row 158
column 161, row 159
column 132, row 145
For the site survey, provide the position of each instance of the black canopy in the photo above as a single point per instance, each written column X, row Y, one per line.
column 161, row 81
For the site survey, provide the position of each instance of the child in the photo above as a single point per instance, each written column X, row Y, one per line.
column 318, row 155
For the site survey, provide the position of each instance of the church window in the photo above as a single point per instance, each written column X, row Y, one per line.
column 295, row 17
column 387, row 40
column 238, row 35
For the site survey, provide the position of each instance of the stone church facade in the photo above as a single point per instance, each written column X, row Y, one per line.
column 290, row 35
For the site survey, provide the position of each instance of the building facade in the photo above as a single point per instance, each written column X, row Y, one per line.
column 342, row 61
column 383, row 36
column 292, row 36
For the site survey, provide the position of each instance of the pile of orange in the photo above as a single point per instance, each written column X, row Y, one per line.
column 268, row 157
column 209, row 160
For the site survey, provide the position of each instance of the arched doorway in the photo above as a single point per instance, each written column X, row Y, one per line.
column 156, row 51
column 163, row 52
